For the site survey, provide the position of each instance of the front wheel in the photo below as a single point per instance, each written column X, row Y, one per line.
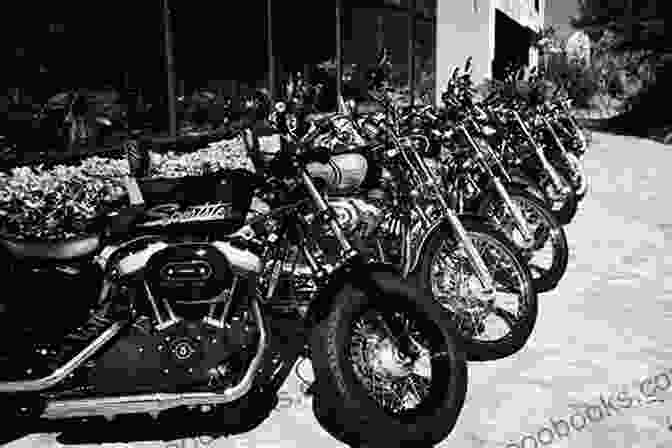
column 389, row 368
column 573, row 171
column 511, row 313
column 548, row 255
column 564, row 208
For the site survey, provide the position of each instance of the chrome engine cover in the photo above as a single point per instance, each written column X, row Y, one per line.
column 188, row 272
column 134, row 256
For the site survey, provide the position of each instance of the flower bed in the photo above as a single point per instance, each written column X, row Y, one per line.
column 61, row 202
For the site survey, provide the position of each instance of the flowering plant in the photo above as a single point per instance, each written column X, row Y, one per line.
column 61, row 202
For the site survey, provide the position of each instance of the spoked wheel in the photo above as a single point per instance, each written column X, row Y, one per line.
column 389, row 369
column 548, row 253
column 491, row 327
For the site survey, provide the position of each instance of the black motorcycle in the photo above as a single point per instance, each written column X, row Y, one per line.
column 186, row 311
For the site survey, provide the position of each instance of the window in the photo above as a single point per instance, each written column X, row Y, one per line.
column 371, row 31
column 536, row 5
column 425, row 62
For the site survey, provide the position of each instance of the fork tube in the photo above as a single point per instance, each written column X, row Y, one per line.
column 322, row 206
column 513, row 209
column 476, row 260
column 498, row 160
column 555, row 177
column 555, row 136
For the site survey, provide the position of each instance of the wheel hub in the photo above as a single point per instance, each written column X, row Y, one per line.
column 385, row 360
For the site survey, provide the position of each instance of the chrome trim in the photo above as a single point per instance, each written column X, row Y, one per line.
column 241, row 260
column 62, row 372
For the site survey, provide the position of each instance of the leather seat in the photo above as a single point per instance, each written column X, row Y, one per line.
column 52, row 250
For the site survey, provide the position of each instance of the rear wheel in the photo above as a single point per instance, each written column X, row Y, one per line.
column 389, row 369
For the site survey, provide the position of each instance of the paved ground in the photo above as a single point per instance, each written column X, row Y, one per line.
column 604, row 330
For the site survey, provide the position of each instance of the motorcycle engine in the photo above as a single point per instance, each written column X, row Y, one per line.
column 194, row 343
column 357, row 215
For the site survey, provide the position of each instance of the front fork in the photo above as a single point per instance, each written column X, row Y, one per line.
column 515, row 212
column 347, row 250
column 474, row 257
column 577, row 129
column 555, row 136
column 512, row 208
column 557, row 182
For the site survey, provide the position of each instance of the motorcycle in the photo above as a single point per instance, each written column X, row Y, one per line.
column 416, row 227
column 188, row 308
column 474, row 173
column 566, row 160
column 529, row 140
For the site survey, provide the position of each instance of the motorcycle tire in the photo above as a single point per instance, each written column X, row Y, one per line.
column 543, row 279
column 566, row 210
column 480, row 232
column 575, row 174
column 344, row 406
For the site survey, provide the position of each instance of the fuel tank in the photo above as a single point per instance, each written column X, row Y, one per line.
column 343, row 172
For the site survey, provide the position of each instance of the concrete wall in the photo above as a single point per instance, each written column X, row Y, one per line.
column 467, row 28
column 523, row 12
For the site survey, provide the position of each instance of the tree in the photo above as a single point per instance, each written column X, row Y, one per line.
column 633, row 31
column 638, row 25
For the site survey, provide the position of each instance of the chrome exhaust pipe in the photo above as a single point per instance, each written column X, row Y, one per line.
column 61, row 373
column 154, row 403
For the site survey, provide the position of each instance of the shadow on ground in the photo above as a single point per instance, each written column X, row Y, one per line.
column 629, row 125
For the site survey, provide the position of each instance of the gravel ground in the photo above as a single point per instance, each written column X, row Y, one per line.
column 599, row 347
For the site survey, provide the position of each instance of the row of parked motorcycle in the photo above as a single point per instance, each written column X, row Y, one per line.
column 388, row 248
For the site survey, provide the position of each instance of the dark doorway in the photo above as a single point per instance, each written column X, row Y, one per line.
column 512, row 44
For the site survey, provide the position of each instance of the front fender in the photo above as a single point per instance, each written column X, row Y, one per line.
column 443, row 226
column 359, row 273
column 525, row 181
column 492, row 195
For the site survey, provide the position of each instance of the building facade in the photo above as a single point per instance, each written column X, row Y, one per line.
column 212, row 51
column 494, row 33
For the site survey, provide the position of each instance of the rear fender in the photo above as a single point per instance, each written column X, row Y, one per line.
column 443, row 226
column 362, row 274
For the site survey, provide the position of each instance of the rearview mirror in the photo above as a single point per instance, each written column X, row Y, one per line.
column 454, row 75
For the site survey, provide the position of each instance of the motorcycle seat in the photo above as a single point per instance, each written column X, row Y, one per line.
column 51, row 250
